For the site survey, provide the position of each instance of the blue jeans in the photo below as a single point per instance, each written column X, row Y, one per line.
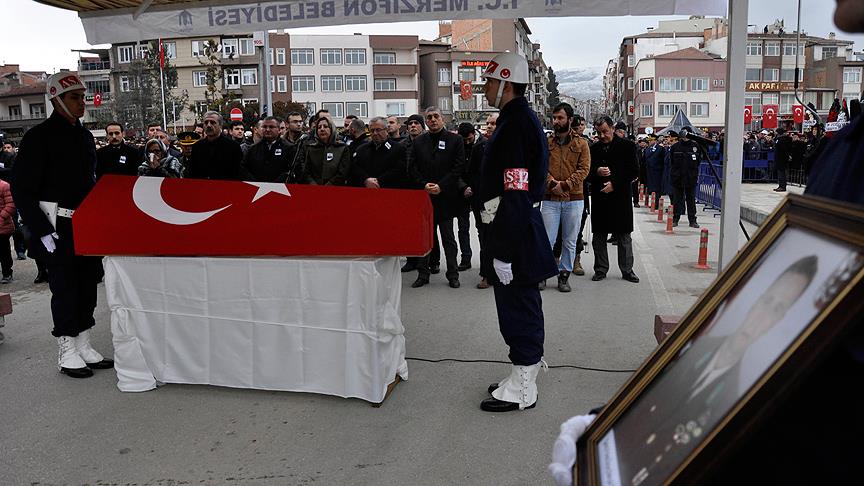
column 568, row 214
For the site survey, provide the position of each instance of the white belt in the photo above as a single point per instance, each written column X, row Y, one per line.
column 66, row 213
column 536, row 205
column 490, row 209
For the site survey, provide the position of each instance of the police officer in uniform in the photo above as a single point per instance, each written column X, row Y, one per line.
column 684, row 160
column 518, row 255
column 59, row 175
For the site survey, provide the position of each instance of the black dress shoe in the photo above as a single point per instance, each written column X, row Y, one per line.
column 454, row 283
column 419, row 282
column 408, row 267
column 435, row 270
column 636, row 205
column 105, row 364
column 495, row 405
column 631, row 277
column 77, row 372
column 598, row 277
column 694, row 224
column 465, row 265
column 780, row 189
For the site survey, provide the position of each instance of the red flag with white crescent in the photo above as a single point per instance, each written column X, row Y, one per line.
column 191, row 217
column 161, row 55
column 769, row 116
column 97, row 99
column 798, row 114
column 748, row 114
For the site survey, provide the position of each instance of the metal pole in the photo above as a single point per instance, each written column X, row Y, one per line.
column 162, row 83
column 268, row 90
column 733, row 153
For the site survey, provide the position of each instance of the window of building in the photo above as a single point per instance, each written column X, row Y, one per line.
column 789, row 74
column 668, row 110
column 699, row 110
column 272, row 56
column 301, row 84
column 249, row 101
column 280, row 56
column 247, row 47
column 790, row 49
column 631, row 60
column 355, row 83
column 331, row 57
column 786, row 103
column 232, row 78
column 170, row 49
column 37, row 110
column 143, row 51
column 829, row 52
column 754, row 48
column 770, row 98
column 468, row 105
column 771, row 74
column 699, row 84
column 15, row 112
column 467, row 74
column 199, row 78
column 199, row 48
column 357, row 109
column 272, row 84
column 384, row 57
column 94, row 87
column 753, row 74
column 772, row 48
column 443, row 76
column 229, row 48
column 646, row 85
column 355, row 57
column 125, row 54
column 673, row 84
column 282, row 83
column 331, row 83
column 754, row 100
column 718, row 83
column 303, row 57
column 646, row 110
column 385, row 84
column 395, row 109
column 249, row 77
column 851, row 75
column 127, row 83
column 444, row 104
column 335, row 109
column 630, row 83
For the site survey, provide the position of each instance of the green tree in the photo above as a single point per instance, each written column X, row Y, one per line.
column 552, row 86
column 282, row 108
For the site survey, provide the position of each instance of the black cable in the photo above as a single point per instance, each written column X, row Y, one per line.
column 456, row 360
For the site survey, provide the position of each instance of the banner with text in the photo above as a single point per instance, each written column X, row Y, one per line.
column 242, row 17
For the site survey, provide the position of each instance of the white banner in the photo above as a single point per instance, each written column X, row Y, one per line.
column 241, row 17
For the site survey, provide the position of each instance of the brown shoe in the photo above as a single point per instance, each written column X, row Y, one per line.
column 577, row 267
column 483, row 284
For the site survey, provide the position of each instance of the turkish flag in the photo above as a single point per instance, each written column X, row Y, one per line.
column 748, row 114
column 161, row 55
column 465, row 90
column 97, row 99
column 191, row 217
column 769, row 116
column 798, row 114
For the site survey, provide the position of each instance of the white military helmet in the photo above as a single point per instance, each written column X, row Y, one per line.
column 508, row 66
column 63, row 82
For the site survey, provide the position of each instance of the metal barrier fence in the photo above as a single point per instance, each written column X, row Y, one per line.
column 708, row 191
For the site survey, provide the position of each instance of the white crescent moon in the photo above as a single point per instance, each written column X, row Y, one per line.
column 147, row 195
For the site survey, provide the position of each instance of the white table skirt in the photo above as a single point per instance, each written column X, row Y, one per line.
column 328, row 326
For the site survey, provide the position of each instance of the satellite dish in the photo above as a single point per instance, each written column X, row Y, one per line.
column 649, row 130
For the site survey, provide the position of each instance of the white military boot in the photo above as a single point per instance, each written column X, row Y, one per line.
column 91, row 357
column 69, row 361
column 517, row 392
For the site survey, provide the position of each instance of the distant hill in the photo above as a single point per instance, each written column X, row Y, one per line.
column 581, row 83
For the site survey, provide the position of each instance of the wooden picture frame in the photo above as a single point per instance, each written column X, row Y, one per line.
column 785, row 299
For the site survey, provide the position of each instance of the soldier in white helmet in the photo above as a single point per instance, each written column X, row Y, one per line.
column 50, row 181
column 517, row 255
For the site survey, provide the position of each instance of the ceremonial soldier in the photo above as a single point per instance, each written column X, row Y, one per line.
column 57, row 176
column 654, row 157
column 517, row 254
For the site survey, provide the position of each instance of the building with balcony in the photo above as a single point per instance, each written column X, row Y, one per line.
column 362, row 75
column 23, row 107
column 444, row 71
column 94, row 69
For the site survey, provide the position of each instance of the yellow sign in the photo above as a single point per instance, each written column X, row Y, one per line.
column 772, row 86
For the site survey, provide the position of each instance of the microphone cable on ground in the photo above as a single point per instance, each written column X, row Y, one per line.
column 455, row 360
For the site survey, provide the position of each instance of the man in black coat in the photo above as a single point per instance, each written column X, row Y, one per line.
column 438, row 159
column 783, row 148
column 270, row 159
column 684, row 159
column 613, row 166
column 55, row 170
column 380, row 163
column 215, row 156
column 117, row 157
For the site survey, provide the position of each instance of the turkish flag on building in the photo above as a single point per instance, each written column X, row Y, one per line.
column 189, row 217
column 769, row 116
column 161, row 55
column 748, row 114
column 465, row 90
column 97, row 99
column 798, row 114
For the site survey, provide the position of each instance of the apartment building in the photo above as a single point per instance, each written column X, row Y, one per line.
column 362, row 75
column 94, row 69
column 834, row 72
column 688, row 80
column 444, row 71
column 23, row 102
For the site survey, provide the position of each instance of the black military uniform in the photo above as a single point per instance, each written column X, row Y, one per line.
column 516, row 235
column 268, row 162
column 386, row 162
column 783, row 151
column 121, row 159
column 684, row 158
column 57, row 163
column 219, row 160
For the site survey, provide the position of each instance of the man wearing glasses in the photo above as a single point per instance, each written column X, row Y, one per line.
column 270, row 159
column 380, row 163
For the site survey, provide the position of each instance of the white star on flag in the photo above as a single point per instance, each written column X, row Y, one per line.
column 265, row 188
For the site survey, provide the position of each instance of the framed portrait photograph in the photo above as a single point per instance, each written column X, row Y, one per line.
column 789, row 296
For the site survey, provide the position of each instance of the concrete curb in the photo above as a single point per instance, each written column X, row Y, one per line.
column 753, row 215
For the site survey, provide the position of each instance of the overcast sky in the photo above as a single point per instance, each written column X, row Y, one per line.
column 39, row 37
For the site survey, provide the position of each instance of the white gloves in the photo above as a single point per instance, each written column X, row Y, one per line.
column 48, row 242
column 564, row 450
column 503, row 270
